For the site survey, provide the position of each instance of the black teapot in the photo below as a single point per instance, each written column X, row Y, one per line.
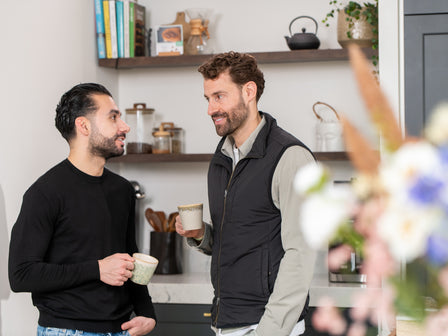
column 302, row 40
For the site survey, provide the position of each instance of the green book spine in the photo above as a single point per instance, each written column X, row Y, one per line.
column 131, row 30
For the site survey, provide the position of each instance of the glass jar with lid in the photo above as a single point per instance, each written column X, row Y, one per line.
column 141, row 121
column 162, row 141
column 177, row 137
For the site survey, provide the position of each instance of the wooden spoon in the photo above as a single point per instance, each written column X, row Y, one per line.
column 172, row 221
column 162, row 218
column 153, row 220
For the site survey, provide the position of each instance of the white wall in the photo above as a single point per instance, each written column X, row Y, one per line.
column 48, row 46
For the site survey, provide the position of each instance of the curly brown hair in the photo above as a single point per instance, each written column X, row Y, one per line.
column 242, row 68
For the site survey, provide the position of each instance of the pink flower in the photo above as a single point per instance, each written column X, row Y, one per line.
column 338, row 256
column 367, row 216
column 357, row 329
column 327, row 318
column 437, row 323
column 378, row 262
column 361, row 305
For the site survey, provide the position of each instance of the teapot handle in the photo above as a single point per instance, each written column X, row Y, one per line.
column 300, row 17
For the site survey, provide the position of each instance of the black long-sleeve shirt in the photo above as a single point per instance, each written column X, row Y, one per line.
column 68, row 221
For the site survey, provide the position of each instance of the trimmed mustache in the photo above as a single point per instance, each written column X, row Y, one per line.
column 219, row 115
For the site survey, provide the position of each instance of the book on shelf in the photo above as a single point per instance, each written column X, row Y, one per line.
column 119, row 8
column 126, row 31
column 139, row 30
column 100, row 34
column 108, row 40
column 131, row 30
column 120, row 28
column 113, row 27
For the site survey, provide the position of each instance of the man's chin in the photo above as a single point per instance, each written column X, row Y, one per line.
column 222, row 131
column 119, row 152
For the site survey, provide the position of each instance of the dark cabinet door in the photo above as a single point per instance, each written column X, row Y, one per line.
column 425, row 6
column 426, row 60
column 182, row 320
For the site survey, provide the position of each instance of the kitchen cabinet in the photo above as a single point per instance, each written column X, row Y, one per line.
column 426, row 64
column 194, row 319
column 182, row 319
column 181, row 300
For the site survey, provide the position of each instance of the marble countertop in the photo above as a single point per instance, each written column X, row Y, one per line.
column 195, row 288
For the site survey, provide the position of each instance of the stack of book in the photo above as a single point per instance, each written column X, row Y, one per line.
column 120, row 28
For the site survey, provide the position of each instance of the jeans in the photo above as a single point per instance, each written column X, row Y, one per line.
column 41, row 331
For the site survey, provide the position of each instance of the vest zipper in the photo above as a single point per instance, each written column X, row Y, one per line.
column 218, row 299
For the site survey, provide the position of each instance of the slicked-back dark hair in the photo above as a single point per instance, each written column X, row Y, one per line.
column 242, row 68
column 75, row 103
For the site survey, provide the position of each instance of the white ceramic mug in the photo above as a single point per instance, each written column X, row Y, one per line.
column 191, row 216
column 144, row 267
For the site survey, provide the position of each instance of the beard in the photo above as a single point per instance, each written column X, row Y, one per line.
column 104, row 147
column 233, row 119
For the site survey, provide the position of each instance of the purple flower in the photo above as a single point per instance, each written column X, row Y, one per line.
column 426, row 189
column 437, row 250
column 443, row 154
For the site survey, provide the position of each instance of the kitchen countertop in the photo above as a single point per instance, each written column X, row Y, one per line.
column 195, row 288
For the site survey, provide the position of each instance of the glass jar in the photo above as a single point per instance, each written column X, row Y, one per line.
column 141, row 121
column 177, row 137
column 162, row 141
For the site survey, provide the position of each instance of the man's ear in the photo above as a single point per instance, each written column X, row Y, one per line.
column 250, row 90
column 82, row 125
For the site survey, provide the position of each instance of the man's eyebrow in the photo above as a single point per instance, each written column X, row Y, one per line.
column 115, row 112
column 216, row 93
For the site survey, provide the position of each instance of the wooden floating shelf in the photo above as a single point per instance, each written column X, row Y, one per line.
column 146, row 158
column 293, row 56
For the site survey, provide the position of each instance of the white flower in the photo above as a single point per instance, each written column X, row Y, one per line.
column 406, row 228
column 400, row 170
column 322, row 213
column 437, row 128
column 311, row 177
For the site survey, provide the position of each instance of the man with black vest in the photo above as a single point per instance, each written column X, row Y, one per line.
column 261, row 266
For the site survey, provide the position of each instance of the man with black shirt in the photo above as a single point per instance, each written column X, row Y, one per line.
column 72, row 243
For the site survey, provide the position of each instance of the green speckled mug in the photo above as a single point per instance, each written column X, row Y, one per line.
column 144, row 267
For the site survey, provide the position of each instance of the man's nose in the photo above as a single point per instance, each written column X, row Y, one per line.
column 124, row 127
column 212, row 107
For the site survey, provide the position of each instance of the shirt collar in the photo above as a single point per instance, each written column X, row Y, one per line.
column 244, row 149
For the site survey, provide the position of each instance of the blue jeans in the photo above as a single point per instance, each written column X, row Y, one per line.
column 41, row 331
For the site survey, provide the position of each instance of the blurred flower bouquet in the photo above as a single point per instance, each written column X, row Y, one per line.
column 395, row 211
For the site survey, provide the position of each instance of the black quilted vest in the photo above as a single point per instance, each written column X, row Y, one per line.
column 247, row 247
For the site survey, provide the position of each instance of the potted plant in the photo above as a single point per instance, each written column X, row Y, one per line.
column 357, row 23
